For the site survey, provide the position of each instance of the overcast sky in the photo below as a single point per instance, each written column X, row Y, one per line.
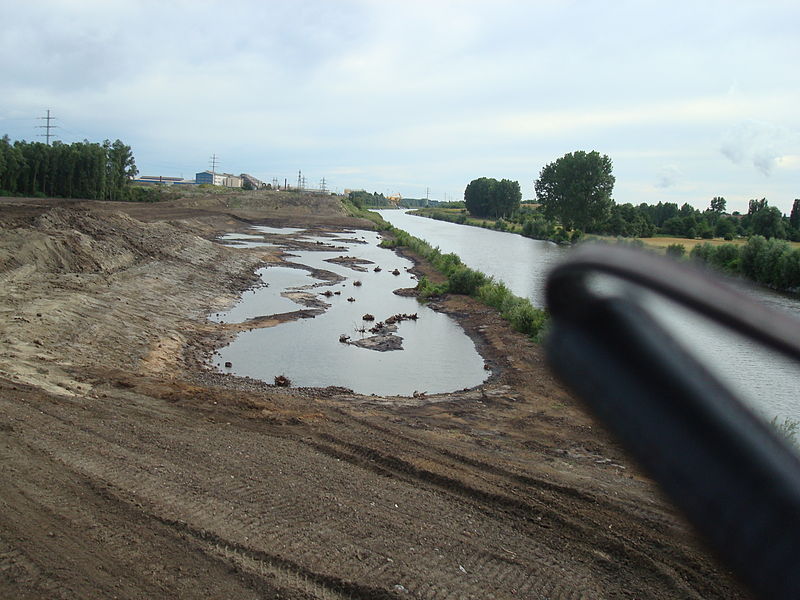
column 689, row 99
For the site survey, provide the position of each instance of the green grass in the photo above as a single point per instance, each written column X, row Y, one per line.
column 519, row 312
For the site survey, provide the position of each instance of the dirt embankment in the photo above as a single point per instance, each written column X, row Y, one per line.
column 129, row 471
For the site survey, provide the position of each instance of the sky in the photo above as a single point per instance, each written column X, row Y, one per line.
column 690, row 100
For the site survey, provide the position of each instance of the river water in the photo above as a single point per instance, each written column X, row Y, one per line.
column 764, row 380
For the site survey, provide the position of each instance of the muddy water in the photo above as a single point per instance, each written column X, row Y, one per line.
column 766, row 381
column 437, row 355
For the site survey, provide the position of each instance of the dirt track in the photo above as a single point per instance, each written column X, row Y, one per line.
column 130, row 471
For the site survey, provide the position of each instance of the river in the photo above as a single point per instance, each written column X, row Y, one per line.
column 766, row 381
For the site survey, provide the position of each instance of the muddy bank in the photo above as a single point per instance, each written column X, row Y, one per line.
column 131, row 470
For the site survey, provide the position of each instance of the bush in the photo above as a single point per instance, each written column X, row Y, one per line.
column 519, row 312
column 466, row 281
column 700, row 253
column 726, row 258
column 676, row 250
column 428, row 289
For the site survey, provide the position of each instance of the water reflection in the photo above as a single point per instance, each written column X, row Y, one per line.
column 437, row 356
column 768, row 383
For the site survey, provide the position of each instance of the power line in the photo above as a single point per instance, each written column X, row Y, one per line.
column 213, row 161
column 47, row 126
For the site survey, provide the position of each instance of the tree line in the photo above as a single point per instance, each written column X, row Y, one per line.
column 79, row 170
column 574, row 196
column 487, row 197
column 771, row 262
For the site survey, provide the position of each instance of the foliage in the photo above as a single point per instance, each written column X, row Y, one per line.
column 576, row 190
column 80, row 170
column 522, row 315
column 464, row 280
column 770, row 262
column 363, row 213
column 627, row 221
column 362, row 199
column 486, row 197
column 519, row 312
column 717, row 204
column 676, row 250
column 428, row 289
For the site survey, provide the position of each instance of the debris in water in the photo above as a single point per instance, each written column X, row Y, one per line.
column 395, row 272
column 343, row 338
column 228, row 365
column 351, row 299
column 377, row 269
column 368, row 317
column 357, row 283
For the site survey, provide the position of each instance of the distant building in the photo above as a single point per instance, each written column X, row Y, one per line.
column 255, row 184
column 231, row 181
column 223, row 179
column 210, row 178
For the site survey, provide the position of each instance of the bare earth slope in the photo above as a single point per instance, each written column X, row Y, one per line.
column 127, row 470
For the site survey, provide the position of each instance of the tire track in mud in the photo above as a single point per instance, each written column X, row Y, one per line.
column 263, row 571
column 531, row 510
column 114, row 467
column 165, row 475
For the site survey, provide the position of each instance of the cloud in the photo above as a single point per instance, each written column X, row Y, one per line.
column 667, row 176
column 759, row 143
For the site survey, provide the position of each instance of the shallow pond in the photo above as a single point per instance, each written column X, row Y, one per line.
column 437, row 355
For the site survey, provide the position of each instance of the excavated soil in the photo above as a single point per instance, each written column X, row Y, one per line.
column 129, row 469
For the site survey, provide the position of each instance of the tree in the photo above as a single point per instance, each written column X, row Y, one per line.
column 121, row 168
column 718, row 204
column 505, row 196
column 794, row 216
column 487, row 197
column 576, row 190
column 768, row 222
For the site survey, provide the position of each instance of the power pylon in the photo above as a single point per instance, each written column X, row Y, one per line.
column 47, row 126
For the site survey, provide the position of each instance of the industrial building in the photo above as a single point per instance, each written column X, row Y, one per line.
column 223, row 179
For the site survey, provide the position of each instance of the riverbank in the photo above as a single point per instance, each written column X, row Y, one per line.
column 133, row 470
column 773, row 263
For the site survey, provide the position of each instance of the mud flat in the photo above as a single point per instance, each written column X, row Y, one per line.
column 130, row 469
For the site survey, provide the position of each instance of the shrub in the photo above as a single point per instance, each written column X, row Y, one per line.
column 519, row 312
column 701, row 252
column 726, row 258
column 428, row 289
column 676, row 250
column 466, row 281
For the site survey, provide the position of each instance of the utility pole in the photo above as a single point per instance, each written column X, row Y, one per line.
column 274, row 183
column 427, row 193
column 322, row 187
column 213, row 161
column 299, row 180
column 47, row 127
